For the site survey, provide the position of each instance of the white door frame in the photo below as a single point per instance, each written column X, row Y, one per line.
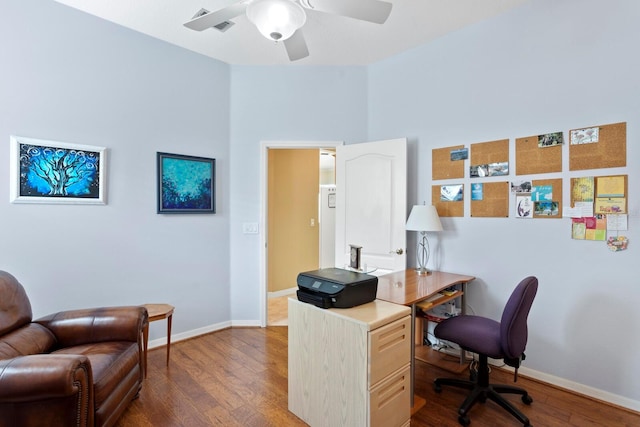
column 264, row 180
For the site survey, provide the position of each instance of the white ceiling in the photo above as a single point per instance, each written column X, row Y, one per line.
column 331, row 39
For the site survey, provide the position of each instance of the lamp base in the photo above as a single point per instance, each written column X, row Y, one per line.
column 423, row 271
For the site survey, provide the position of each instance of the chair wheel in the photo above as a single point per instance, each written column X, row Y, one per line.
column 465, row 421
column 526, row 399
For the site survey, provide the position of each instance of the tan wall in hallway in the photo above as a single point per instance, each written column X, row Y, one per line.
column 292, row 243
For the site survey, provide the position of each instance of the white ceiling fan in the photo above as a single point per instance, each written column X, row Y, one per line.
column 282, row 20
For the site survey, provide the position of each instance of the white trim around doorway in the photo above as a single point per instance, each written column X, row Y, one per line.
column 264, row 170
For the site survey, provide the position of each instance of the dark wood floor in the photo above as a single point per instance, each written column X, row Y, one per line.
column 238, row 377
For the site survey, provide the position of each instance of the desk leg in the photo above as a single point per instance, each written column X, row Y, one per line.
column 463, row 311
column 463, row 299
column 145, row 344
column 169, row 336
column 417, row 402
column 413, row 352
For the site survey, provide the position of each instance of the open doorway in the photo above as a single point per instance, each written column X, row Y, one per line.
column 290, row 218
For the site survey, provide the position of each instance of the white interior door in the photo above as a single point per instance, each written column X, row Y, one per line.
column 371, row 203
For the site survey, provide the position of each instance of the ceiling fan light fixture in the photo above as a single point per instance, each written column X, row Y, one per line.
column 276, row 19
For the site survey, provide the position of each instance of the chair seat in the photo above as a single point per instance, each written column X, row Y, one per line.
column 473, row 333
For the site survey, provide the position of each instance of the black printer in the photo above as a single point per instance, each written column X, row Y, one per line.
column 336, row 287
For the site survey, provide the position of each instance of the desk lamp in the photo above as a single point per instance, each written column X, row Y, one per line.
column 423, row 218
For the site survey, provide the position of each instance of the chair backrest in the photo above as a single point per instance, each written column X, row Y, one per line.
column 15, row 308
column 513, row 325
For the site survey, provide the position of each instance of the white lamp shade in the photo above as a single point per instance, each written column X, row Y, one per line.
column 276, row 19
column 424, row 218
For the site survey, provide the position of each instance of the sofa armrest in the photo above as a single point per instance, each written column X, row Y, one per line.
column 58, row 385
column 44, row 376
column 76, row 327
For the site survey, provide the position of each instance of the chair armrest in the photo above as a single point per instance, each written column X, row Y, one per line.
column 44, row 376
column 58, row 387
column 76, row 327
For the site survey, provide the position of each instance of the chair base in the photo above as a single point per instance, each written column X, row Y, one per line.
column 481, row 390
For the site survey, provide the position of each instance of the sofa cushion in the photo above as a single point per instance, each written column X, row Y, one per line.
column 30, row 339
column 110, row 363
column 80, row 382
column 15, row 308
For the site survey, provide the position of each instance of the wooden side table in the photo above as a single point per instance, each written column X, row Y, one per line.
column 157, row 312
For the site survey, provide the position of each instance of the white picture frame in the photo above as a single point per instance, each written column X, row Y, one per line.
column 53, row 172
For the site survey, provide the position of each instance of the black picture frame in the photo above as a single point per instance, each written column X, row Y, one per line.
column 186, row 184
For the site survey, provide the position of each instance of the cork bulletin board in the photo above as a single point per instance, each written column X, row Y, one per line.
column 556, row 185
column 442, row 167
column 495, row 200
column 446, row 209
column 483, row 153
column 531, row 159
column 609, row 151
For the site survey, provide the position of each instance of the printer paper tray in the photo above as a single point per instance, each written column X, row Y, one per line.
column 315, row 299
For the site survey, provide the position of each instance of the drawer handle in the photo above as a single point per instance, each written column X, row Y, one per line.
column 393, row 337
column 392, row 392
column 391, row 343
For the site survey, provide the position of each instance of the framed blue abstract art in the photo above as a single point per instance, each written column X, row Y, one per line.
column 57, row 172
column 186, row 184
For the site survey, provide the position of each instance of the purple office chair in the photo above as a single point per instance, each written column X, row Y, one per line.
column 506, row 340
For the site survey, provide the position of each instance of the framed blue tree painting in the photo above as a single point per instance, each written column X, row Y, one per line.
column 186, row 184
column 57, row 172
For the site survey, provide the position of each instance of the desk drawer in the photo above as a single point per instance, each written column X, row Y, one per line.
column 389, row 349
column 390, row 400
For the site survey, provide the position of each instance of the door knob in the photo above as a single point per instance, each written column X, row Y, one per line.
column 398, row 251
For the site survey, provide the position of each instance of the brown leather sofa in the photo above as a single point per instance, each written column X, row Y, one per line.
column 72, row 368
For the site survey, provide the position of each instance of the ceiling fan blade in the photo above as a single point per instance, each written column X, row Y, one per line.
column 375, row 11
column 296, row 46
column 212, row 19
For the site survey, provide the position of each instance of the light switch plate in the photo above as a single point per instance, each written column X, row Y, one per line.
column 250, row 227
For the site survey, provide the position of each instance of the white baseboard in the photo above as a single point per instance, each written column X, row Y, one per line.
column 282, row 293
column 605, row 396
column 592, row 392
column 189, row 334
column 575, row 387
column 245, row 324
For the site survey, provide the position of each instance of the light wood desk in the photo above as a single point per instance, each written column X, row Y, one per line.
column 408, row 288
column 350, row 366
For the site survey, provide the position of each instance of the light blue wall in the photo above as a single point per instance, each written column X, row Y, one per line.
column 545, row 67
column 281, row 104
column 548, row 66
column 67, row 76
